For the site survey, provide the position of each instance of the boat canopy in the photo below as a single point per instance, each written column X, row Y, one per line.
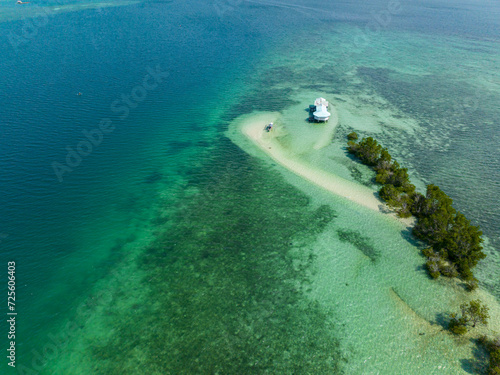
column 321, row 102
column 322, row 114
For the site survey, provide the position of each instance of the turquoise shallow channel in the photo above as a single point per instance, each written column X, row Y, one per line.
column 175, row 245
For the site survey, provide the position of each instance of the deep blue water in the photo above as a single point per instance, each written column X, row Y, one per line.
column 60, row 233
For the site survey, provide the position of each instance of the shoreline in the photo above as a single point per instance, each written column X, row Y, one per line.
column 253, row 129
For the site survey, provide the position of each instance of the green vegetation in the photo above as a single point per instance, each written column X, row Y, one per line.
column 472, row 313
column 455, row 244
column 397, row 189
column 457, row 325
column 472, row 284
column 352, row 136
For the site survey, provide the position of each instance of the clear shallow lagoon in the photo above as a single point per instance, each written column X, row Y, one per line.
column 172, row 250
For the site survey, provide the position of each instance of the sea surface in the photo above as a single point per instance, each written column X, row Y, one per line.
column 169, row 248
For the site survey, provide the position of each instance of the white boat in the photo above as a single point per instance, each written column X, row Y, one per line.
column 321, row 113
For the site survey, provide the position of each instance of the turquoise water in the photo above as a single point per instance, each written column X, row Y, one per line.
column 170, row 250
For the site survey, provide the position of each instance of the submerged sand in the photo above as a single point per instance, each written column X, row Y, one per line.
column 278, row 146
column 273, row 143
column 328, row 132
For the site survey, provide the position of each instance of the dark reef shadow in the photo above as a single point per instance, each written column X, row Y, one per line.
column 153, row 177
column 360, row 242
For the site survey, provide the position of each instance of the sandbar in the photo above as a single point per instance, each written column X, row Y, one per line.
column 253, row 127
column 269, row 142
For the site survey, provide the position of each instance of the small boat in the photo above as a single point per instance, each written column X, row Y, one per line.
column 321, row 114
column 22, row 2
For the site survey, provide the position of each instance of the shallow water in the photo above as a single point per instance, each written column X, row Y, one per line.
column 172, row 250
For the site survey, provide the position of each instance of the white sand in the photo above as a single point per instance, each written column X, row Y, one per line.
column 253, row 128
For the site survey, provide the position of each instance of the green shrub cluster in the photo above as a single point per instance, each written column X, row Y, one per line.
column 449, row 233
column 494, row 368
column 457, row 325
column 437, row 266
column 455, row 244
column 472, row 313
column 352, row 136
column 397, row 188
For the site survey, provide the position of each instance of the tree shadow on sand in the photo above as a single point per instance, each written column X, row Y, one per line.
column 479, row 363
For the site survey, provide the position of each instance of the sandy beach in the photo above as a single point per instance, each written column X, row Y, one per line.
column 269, row 142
